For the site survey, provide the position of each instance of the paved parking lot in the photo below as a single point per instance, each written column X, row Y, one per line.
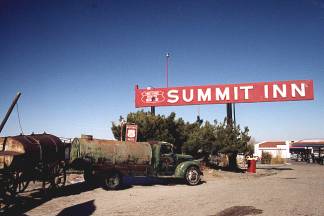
column 296, row 189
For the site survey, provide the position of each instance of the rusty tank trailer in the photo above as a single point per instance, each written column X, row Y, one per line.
column 28, row 150
column 43, row 157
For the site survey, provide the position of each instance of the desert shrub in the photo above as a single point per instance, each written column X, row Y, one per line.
column 278, row 160
column 266, row 158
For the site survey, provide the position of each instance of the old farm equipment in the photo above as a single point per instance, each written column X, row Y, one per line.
column 36, row 157
column 109, row 160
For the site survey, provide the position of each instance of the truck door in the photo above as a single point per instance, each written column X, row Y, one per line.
column 167, row 160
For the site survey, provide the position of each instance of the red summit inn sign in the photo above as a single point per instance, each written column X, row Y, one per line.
column 291, row 90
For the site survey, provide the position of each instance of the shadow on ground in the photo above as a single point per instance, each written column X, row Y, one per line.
column 82, row 209
column 34, row 198
column 150, row 181
column 275, row 168
column 227, row 169
column 239, row 211
column 129, row 182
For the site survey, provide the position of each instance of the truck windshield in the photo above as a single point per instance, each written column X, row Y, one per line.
column 166, row 149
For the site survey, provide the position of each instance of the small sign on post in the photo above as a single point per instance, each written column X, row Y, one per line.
column 131, row 132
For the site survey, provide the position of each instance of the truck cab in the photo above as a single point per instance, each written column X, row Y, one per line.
column 166, row 163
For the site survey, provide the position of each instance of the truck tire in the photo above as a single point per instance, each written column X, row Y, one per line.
column 113, row 181
column 192, row 176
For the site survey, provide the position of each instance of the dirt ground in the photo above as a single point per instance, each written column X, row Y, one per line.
column 294, row 189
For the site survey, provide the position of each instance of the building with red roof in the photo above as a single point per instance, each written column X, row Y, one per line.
column 280, row 148
column 285, row 148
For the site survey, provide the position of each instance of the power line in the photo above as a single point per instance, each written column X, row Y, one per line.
column 17, row 109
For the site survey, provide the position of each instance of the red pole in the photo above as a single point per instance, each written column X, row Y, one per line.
column 167, row 69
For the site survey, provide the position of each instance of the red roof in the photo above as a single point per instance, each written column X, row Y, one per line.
column 319, row 143
column 271, row 144
column 310, row 142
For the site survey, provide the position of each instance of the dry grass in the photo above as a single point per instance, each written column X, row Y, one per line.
column 278, row 160
column 266, row 158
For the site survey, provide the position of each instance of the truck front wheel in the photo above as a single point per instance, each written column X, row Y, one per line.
column 113, row 181
column 192, row 176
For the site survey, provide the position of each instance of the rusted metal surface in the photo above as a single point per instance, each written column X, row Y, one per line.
column 111, row 151
column 28, row 150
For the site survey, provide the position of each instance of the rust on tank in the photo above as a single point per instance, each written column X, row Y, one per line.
column 32, row 148
column 86, row 136
column 112, row 152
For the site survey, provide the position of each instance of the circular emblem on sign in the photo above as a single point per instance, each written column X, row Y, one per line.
column 153, row 96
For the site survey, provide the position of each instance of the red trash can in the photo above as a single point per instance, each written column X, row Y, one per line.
column 252, row 166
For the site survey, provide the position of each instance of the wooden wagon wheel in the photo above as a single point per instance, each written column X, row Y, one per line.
column 4, row 191
column 59, row 178
column 10, row 185
column 7, row 190
column 46, row 185
column 53, row 177
column 3, row 201
column 15, row 182
column 6, row 197
column 21, row 181
column 46, row 174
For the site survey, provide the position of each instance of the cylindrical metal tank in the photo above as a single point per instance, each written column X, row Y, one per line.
column 25, row 150
column 111, row 151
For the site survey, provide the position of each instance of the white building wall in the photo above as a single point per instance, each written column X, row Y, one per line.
column 256, row 150
column 273, row 152
column 287, row 149
column 282, row 150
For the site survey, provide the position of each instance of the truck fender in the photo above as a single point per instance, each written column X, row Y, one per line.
column 80, row 164
column 181, row 169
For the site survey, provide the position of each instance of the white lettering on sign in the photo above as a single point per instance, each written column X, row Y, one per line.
column 266, row 91
column 184, row 95
column 235, row 93
column 282, row 92
column 246, row 91
column 301, row 91
column 204, row 96
column 231, row 93
column 173, row 96
column 222, row 95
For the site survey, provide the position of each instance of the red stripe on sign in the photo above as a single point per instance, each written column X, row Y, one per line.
column 292, row 90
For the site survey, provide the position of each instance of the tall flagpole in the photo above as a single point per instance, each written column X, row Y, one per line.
column 167, row 69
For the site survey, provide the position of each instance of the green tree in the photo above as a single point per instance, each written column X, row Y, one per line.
column 250, row 146
column 232, row 140
column 155, row 127
column 198, row 139
column 201, row 139
column 217, row 137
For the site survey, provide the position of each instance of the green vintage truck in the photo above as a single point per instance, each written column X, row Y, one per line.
column 110, row 160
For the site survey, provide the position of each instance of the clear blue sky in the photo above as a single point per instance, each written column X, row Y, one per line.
column 76, row 62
